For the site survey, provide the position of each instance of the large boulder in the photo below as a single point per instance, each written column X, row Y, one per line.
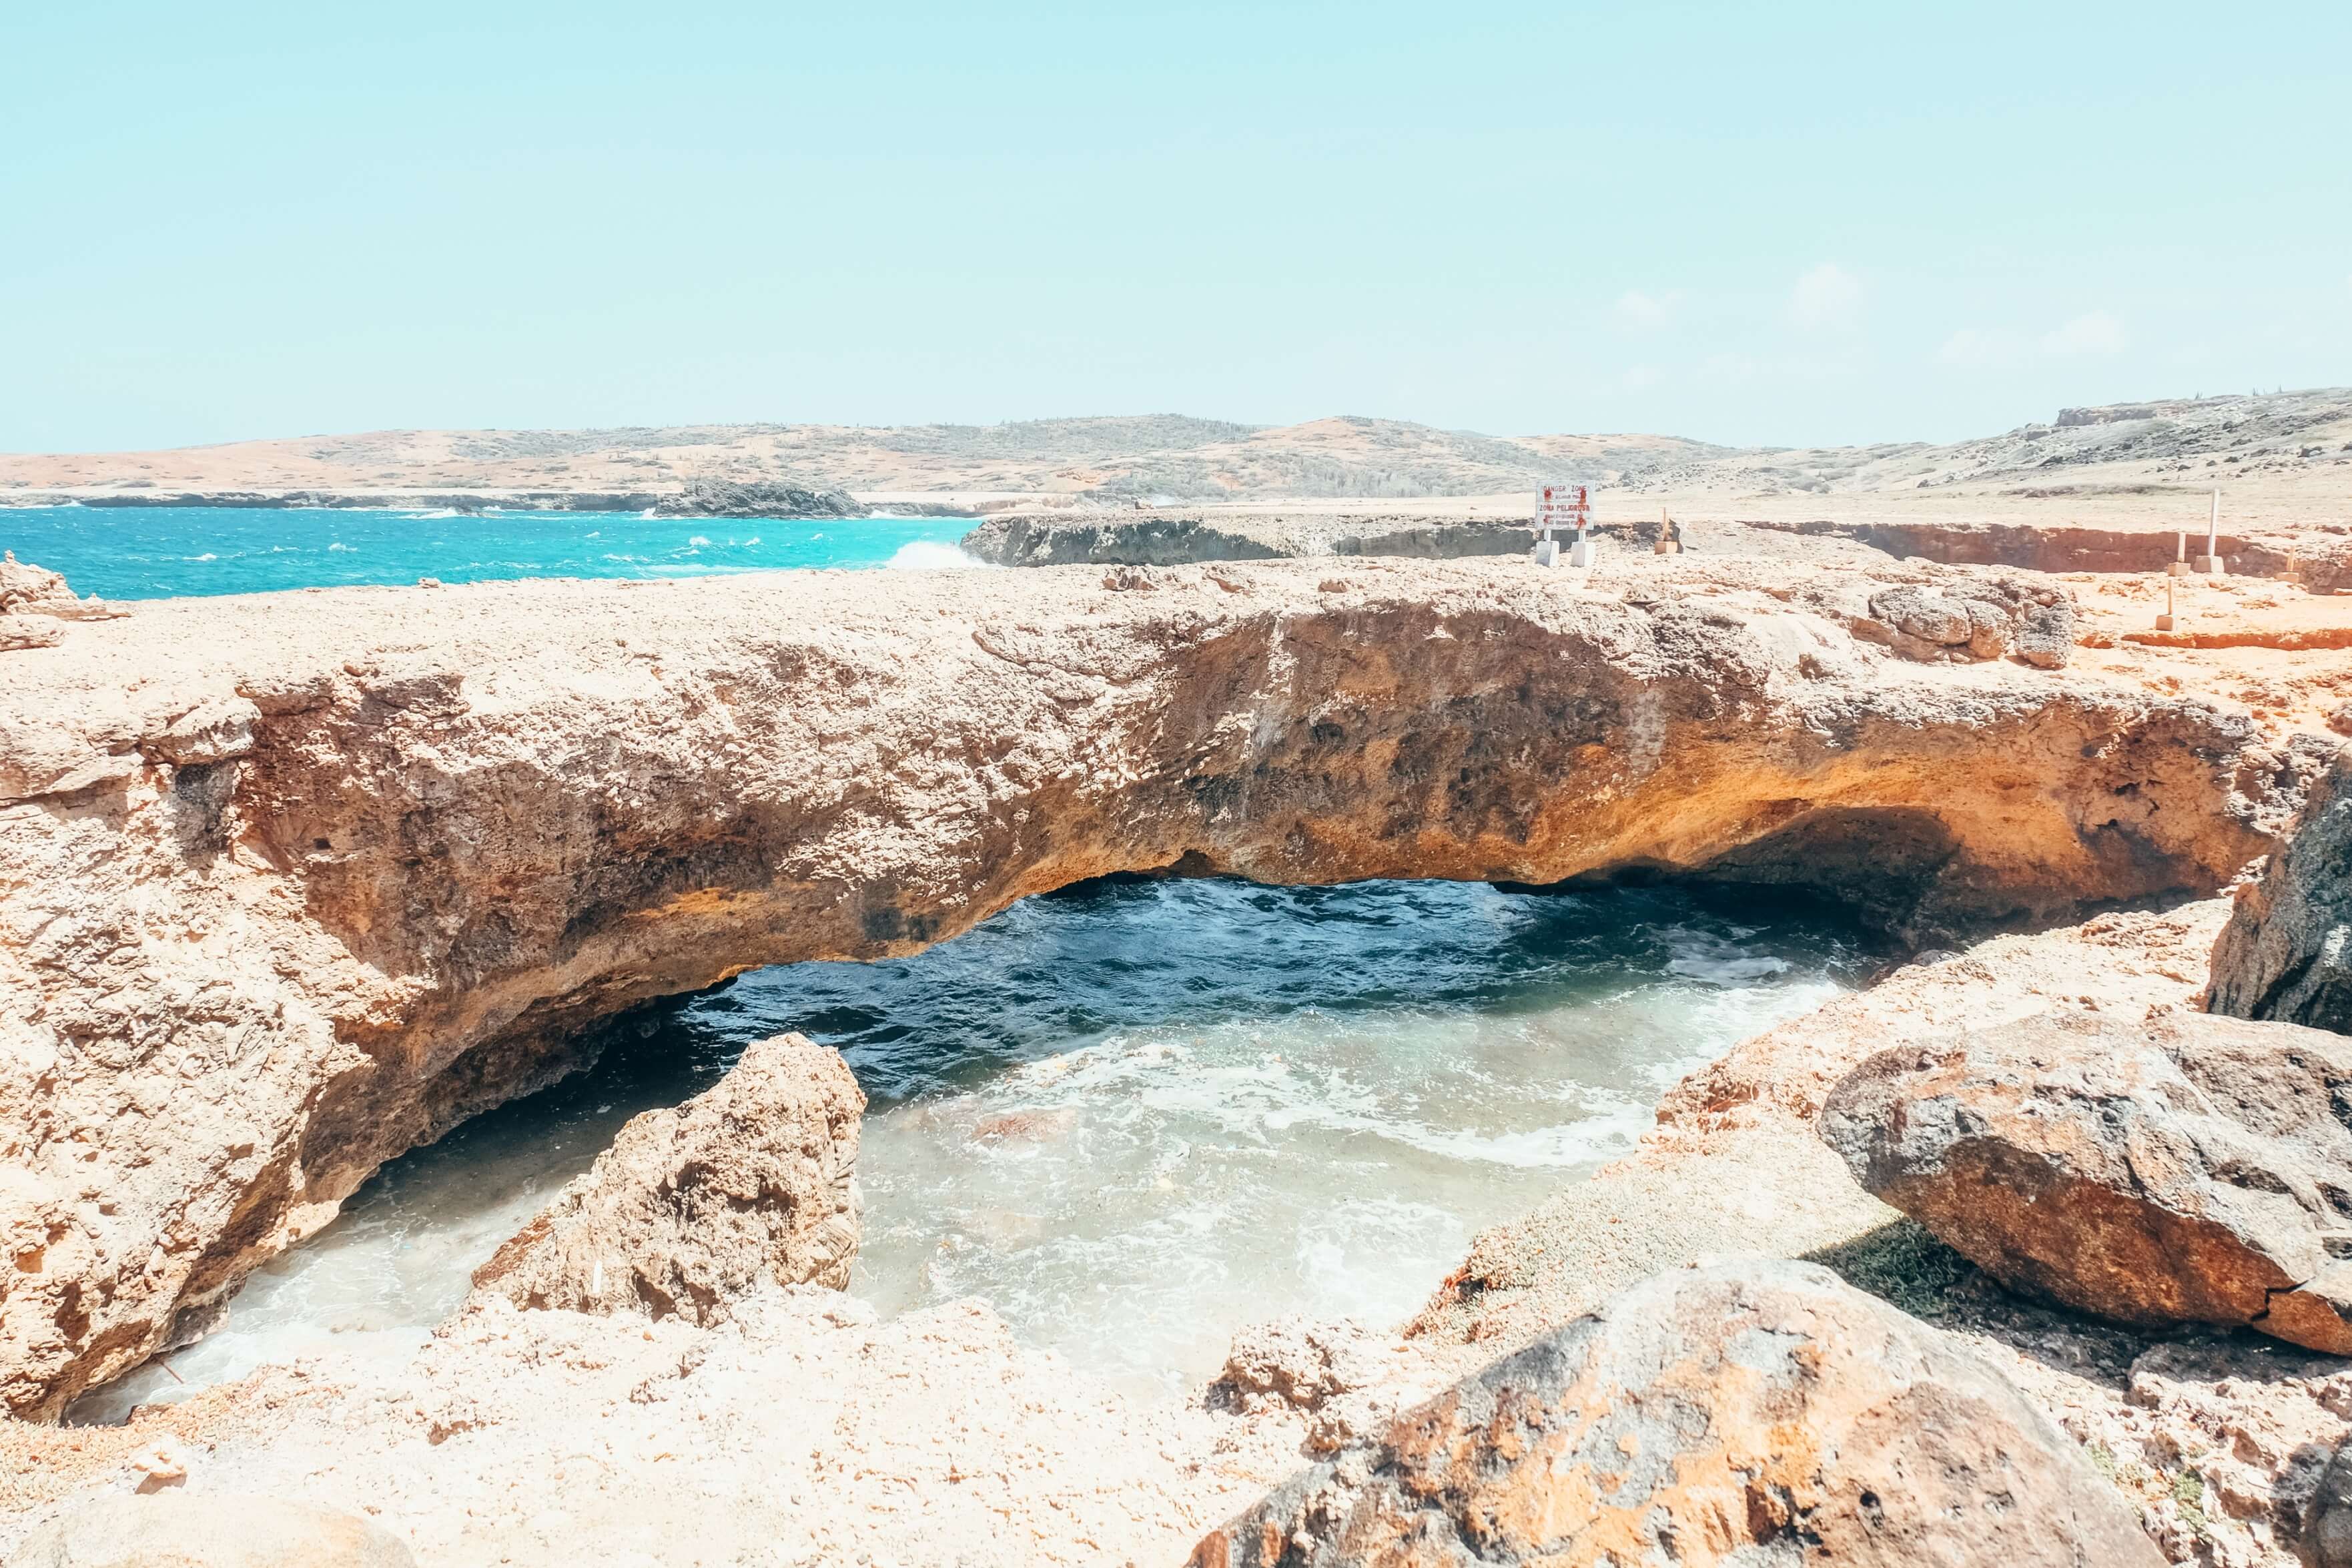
column 2286, row 954
column 176, row 1530
column 750, row 1182
column 1759, row 1413
column 2189, row 1169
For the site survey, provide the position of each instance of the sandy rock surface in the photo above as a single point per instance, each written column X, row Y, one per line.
column 1758, row 1411
column 800, row 1432
column 417, row 837
column 2185, row 1169
column 173, row 1529
column 750, row 1183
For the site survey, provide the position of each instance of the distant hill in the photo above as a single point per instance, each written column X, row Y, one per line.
column 1178, row 458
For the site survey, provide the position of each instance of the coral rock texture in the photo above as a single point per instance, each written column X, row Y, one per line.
column 1760, row 1411
column 2187, row 1170
column 749, row 1182
column 291, row 883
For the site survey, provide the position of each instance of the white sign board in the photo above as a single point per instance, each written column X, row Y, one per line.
column 1560, row 505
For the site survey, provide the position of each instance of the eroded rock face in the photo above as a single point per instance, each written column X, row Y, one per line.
column 2286, row 954
column 175, row 1530
column 1760, row 1412
column 36, row 593
column 750, row 1183
column 2187, row 1170
column 291, row 884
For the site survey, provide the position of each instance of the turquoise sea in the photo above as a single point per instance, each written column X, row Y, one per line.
column 153, row 552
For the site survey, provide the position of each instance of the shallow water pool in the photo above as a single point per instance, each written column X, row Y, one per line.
column 1133, row 1116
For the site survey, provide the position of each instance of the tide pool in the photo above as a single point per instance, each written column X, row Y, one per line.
column 153, row 552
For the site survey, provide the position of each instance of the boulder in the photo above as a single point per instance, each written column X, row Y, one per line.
column 1974, row 619
column 750, row 1182
column 2045, row 635
column 2188, row 1169
column 1762, row 1412
column 175, row 1530
column 2286, row 954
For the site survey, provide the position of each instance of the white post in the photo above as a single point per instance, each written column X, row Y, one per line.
column 2211, row 561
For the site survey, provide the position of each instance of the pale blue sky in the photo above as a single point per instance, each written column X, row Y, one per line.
column 1781, row 223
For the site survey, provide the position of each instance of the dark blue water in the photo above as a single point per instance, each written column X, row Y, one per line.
column 1134, row 1116
column 150, row 552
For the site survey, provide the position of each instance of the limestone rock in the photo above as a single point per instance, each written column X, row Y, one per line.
column 1931, row 617
column 210, row 732
column 735, row 497
column 2045, row 636
column 30, row 590
column 1970, row 620
column 175, row 1530
column 1345, row 1379
column 1758, row 1412
column 2186, row 1169
column 474, row 821
column 29, row 631
column 1299, row 1360
column 751, row 1182
column 2286, row 954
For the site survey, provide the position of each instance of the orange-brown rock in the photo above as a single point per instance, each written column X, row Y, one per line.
column 2189, row 1169
column 289, row 883
column 1762, row 1412
column 752, row 1182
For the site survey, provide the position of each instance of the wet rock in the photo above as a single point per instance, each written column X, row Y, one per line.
column 178, row 1530
column 2286, row 954
column 2187, row 1169
column 749, row 1182
column 1760, row 1412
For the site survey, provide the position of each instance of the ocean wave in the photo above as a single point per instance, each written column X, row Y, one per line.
column 931, row 555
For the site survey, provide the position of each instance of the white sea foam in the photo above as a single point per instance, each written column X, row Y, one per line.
column 1362, row 1096
column 931, row 555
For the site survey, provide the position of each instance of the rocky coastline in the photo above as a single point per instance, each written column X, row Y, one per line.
column 294, row 884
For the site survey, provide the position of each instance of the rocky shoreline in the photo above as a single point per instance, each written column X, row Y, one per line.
column 295, row 883
column 699, row 498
